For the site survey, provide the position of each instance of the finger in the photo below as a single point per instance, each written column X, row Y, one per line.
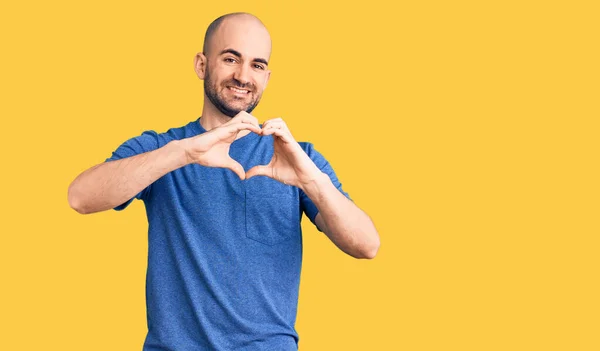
column 273, row 120
column 236, row 167
column 241, row 126
column 248, row 118
column 259, row 170
column 270, row 129
column 276, row 125
column 244, row 116
column 285, row 135
column 256, row 127
column 273, row 127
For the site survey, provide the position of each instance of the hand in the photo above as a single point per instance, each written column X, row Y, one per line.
column 289, row 164
column 211, row 149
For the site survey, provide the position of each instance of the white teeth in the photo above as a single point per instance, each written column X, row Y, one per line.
column 239, row 90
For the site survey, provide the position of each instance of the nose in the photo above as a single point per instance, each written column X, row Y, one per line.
column 242, row 74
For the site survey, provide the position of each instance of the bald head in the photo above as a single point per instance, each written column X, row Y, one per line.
column 238, row 20
column 234, row 64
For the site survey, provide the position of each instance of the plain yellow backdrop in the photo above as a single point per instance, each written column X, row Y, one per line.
column 467, row 130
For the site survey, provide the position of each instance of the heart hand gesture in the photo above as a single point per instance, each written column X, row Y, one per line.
column 211, row 149
column 289, row 164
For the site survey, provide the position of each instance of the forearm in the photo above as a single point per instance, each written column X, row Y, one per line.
column 112, row 183
column 348, row 227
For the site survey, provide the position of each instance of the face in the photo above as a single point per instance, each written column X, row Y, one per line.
column 236, row 67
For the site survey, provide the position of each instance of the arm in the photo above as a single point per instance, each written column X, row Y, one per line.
column 341, row 220
column 346, row 225
column 112, row 183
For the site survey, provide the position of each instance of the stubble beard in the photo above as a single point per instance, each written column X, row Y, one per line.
column 210, row 89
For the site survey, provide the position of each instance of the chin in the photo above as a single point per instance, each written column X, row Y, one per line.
column 238, row 109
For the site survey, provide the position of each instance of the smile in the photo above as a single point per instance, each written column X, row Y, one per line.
column 240, row 91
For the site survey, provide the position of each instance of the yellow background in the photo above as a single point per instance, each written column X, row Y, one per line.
column 468, row 131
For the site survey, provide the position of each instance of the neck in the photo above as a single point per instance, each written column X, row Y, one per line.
column 213, row 118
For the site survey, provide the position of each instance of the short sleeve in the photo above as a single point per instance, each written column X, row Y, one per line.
column 146, row 142
column 309, row 208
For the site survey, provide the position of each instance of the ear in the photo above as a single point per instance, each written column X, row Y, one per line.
column 267, row 79
column 200, row 65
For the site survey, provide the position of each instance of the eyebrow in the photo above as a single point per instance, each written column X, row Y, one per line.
column 237, row 53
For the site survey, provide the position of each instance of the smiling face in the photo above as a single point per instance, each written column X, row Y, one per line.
column 234, row 65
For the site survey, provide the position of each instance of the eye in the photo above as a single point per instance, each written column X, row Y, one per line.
column 257, row 66
column 229, row 59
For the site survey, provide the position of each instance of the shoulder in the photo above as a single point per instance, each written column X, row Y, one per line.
column 308, row 147
column 150, row 140
column 313, row 153
column 156, row 139
column 188, row 130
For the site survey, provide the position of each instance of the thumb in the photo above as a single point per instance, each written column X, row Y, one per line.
column 236, row 167
column 259, row 170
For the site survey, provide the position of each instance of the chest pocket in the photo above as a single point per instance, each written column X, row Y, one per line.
column 272, row 211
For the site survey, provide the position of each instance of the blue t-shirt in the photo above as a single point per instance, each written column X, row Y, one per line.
column 224, row 255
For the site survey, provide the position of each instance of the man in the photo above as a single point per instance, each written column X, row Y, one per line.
column 225, row 244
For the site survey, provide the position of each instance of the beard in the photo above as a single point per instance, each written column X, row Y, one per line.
column 232, row 106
